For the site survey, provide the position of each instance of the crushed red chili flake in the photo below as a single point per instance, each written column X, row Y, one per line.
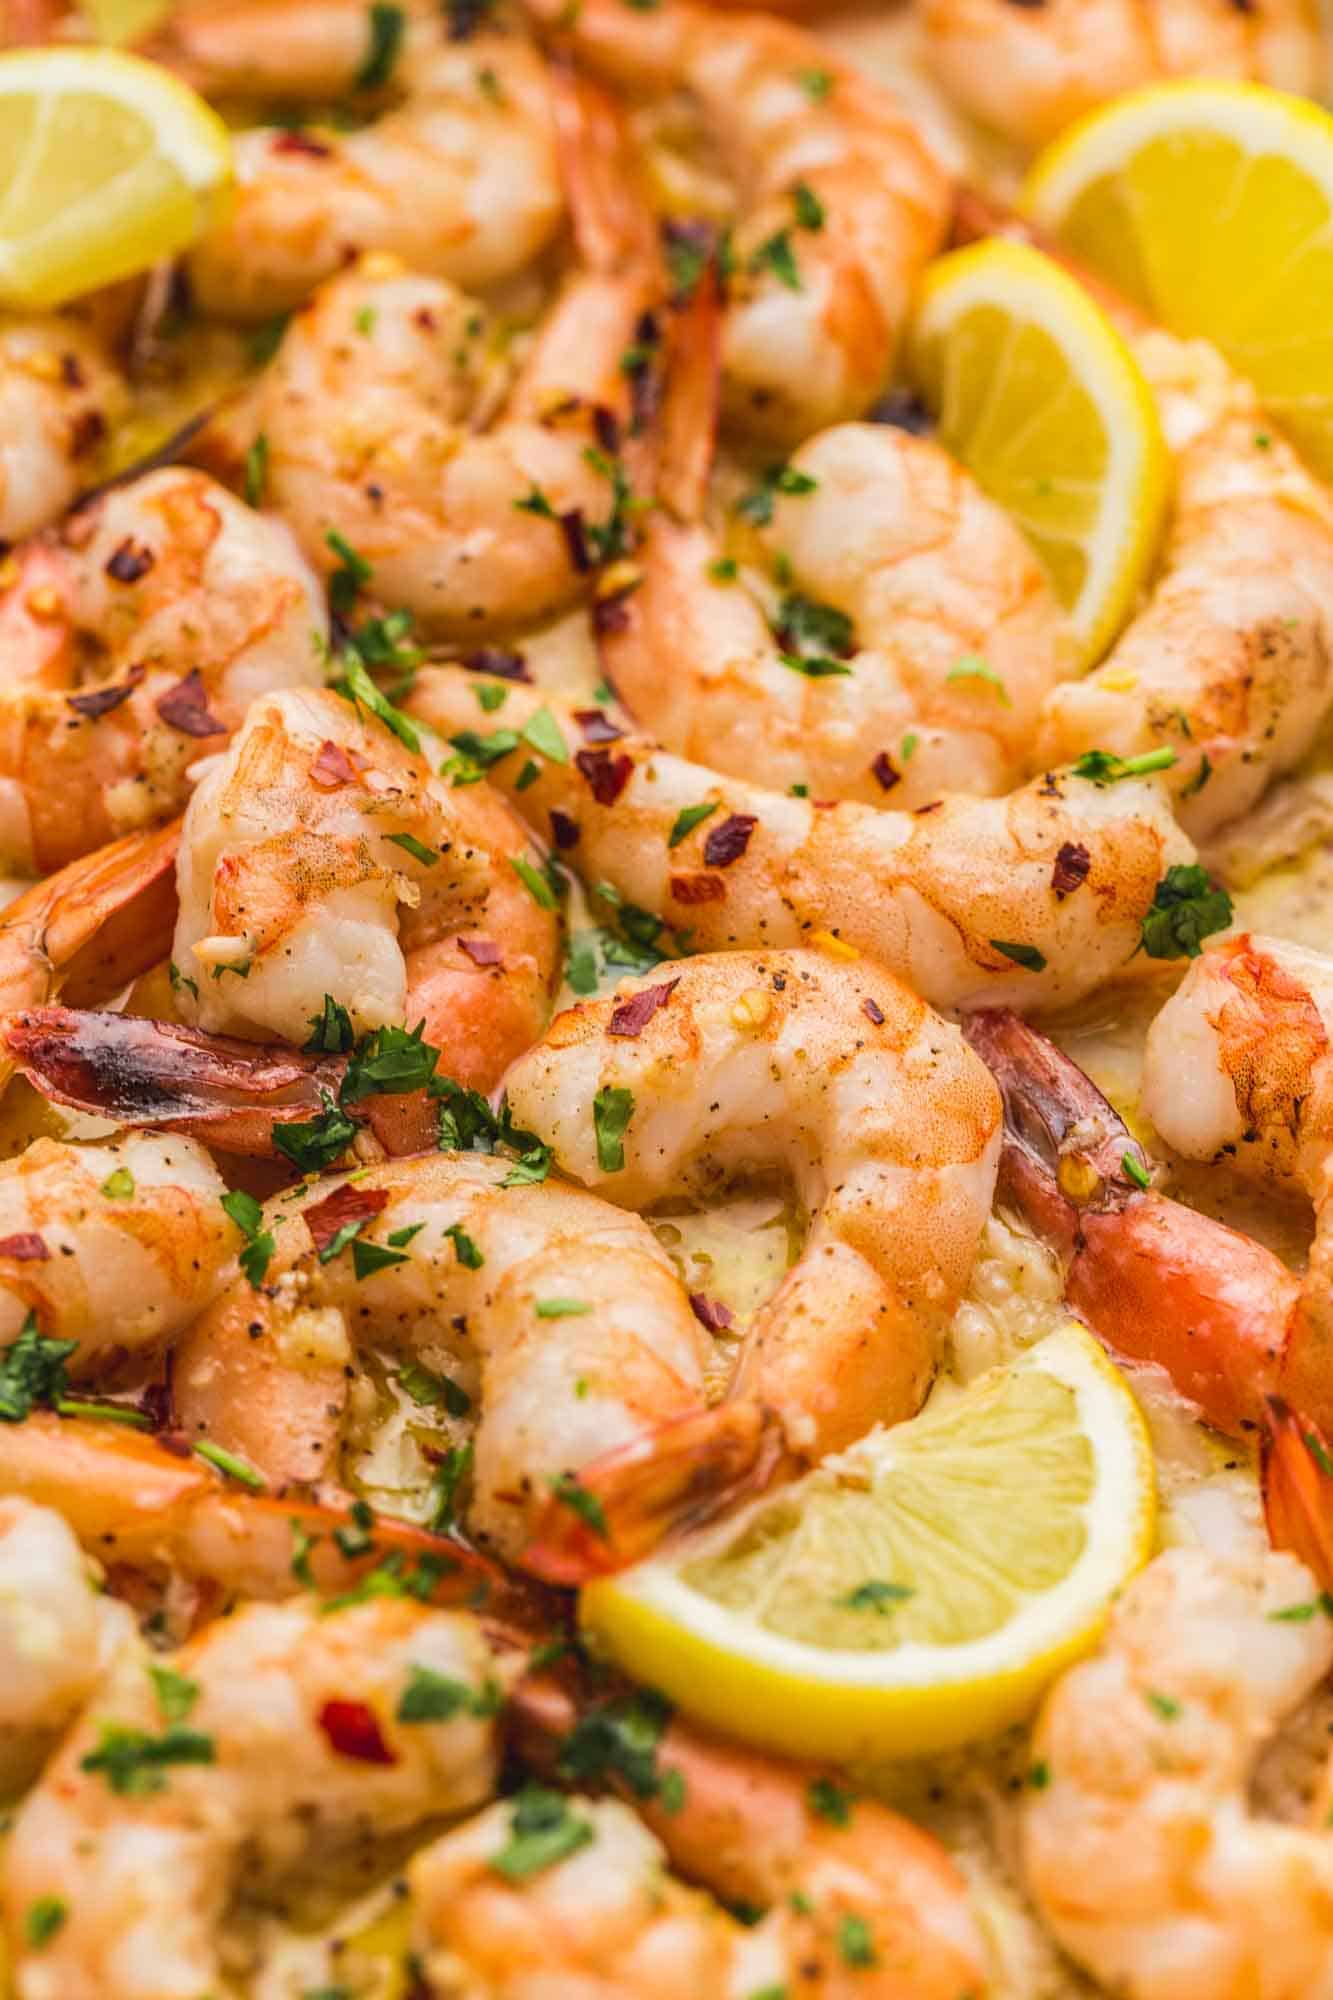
column 727, row 843
column 934, row 806
column 27, row 1247
column 1070, row 872
column 101, row 701
column 346, row 1204
column 607, row 775
column 611, row 614
column 71, row 371
column 300, row 142
column 873, row 1012
column 354, row 1731
column 496, row 660
column 564, row 831
column 185, row 707
column 632, row 1016
column 575, row 531
column 425, row 319
column 711, row 1312
column 698, row 888
column 86, row 432
column 332, row 766
column 885, row 772
column 481, row 950
column 597, row 727
column 130, row 561
column 606, row 428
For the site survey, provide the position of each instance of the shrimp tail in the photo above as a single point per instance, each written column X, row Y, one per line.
column 621, row 1506
column 611, row 217
column 686, row 426
column 1156, row 1281
column 1296, row 1479
column 156, row 1075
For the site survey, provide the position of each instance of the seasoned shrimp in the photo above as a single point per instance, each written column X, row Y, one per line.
column 56, row 1632
column 1229, row 668
column 58, row 396
column 320, row 856
column 115, row 1247
column 276, row 1732
column 1140, row 1845
column 459, row 177
column 1030, row 71
column 1029, row 901
column 188, row 604
column 96, row 924
column 839, row 202
column 843, row 1079
column 553, row 1315
column 743, row 1824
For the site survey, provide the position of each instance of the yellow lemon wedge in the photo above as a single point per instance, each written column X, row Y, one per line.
column 916, row 1592
column 107, row 164
column 1039, row 397
column 1211, row 204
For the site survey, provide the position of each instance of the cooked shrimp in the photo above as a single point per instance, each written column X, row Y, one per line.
column 836, row 1075
column 742, row 1824
column 1029, row 72
column 1230, row 666
column 136, row 1504
column 58, row 395
column 56, row 1632
column 459, row 176
column 554, row 1316
column 386, row 428
column 93, row 926
column 839, row 202
column 189, row 605
column 276, row 1732
column 1140, row 1846
column 115, row 1246
column 321, row 856
column 1030, row 901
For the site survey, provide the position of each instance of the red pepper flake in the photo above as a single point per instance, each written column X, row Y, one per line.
column 698, row 888
column 919, row 812
column 606, row 428
column 130, row 561
column 481, row 950
column 711, row 1312
column 300, row 142
column 71, row 371
column 185, row 707
column 632, row 1016
column 873, row 1012
column 727, row 843
column 25, row 1248
column 101, row 701
column 564, row 831
column 346, row 1204
column 86, row 432
column 425, row 319
column 611, row 614
column 597, row 727
column 332, row 766
column 607, row 775
column 505, row 666
column 884, row 772
column 575, row 532
column 353, row 1731
column 1071, row 868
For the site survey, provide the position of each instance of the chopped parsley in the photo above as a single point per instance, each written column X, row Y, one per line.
column 450, row 1474
column 43, row 1919
column 542, row 1831
column 134, row 1763
column 351, row 576
column 1103, row 767
column 809, row 208
column 534, row 882
column 542, row 732
column 118, row 1186
column 757, row 504
column 385, row 25
column 855, row 1941
column 1025, row 955
column 32, row 1371
column 876, row 1595
column 465, row 1250
column 1186, row 908
column 356, row 686
column 1164, row 1705
column 688, row 818
column 256, row 471
column 248, row 1216
column 775, row 254
column 580, row 1501
column 619, row 1739
column 227, row 1462
column 313, row 1144
column 433, row 1697
column 830, row 1800
column 561, row 1308
column 176, row 1695
column 331, row 1030
column 1134, row 1170
column 427, row 856
column 612, row 1109
column 468, row 1125
column 388, row 1063
column 971, row 667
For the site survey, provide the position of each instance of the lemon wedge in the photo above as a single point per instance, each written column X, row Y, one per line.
column 916, row 1592
column 1211, row 204
column 107, row 164
column 1037, row 394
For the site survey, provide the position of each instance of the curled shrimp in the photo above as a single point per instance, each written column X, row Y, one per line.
column 737, row 1822
column 1043, row 68
column 556, row 1320
column 1228, row 671
column 459, row 175
column 834, row 1074
column 58, row 396
column 271, row 1735
column 115, row 1247
column 839, row 203
column 186, row 605
column 93, row 926
column 1031, row 900
column 1140, row 1845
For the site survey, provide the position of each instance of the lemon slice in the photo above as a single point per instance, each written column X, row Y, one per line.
column 916, row 1592
column 1212, row 205
column 1040, row 398
column 107, row 164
